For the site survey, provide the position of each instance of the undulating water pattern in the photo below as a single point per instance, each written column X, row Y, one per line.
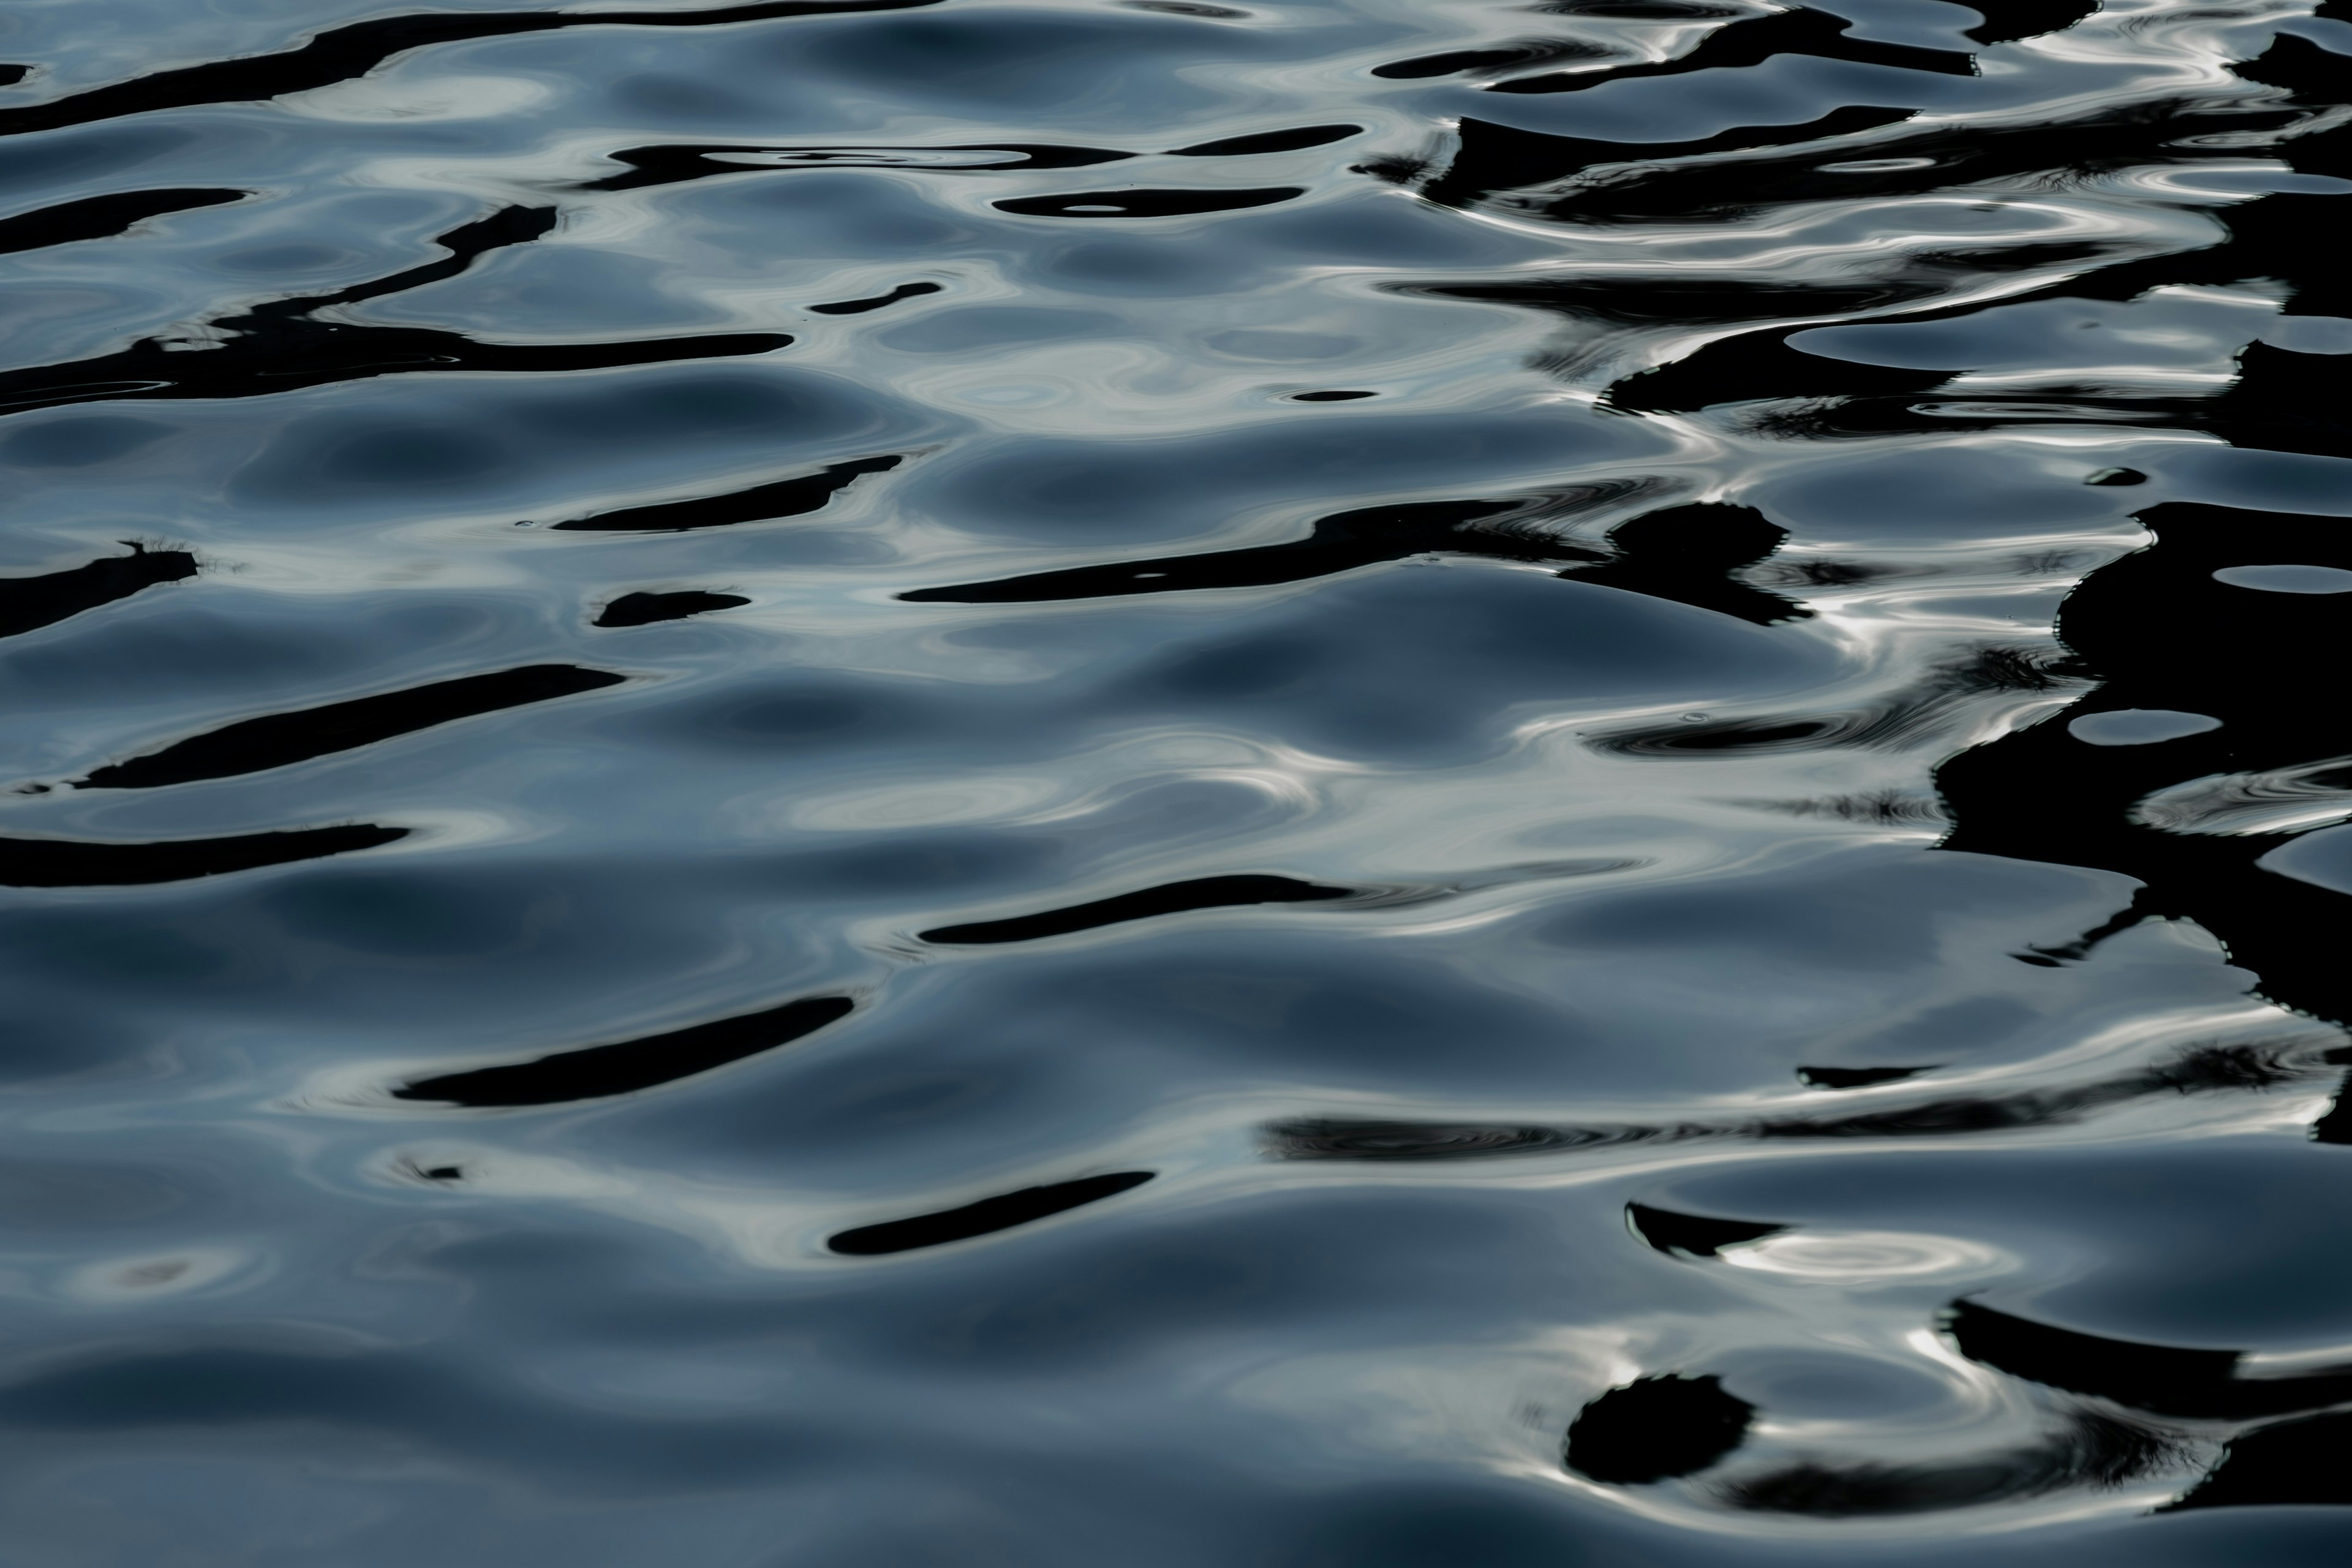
column 1289, row 784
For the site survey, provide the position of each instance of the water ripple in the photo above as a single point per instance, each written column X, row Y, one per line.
column 958, row 781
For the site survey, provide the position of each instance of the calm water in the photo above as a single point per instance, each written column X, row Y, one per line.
column 1347, row 783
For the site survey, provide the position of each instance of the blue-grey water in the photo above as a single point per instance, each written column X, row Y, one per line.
column 1138, row 783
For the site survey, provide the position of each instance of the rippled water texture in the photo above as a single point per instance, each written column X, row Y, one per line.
column 1138, row 783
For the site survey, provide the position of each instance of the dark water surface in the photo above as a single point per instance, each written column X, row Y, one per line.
column 1136, row 783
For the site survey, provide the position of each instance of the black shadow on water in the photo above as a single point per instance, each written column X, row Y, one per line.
column 2006, row 21
column 1691, row 1235
column 644, row 609
column 1268, row 142
column 280, row 739
column 2293, row 1462
column 984, row 1217
column 68, row 863
column 1688, row 553
column 28, row 604
column 598, row 1072
column 1337, row 543
column 761, row 503
column 1509, row 57
column 875, row 301
column 1657, row 1428
column 101, row 217
column 1146, row 203
column 1854, row 1078
column 2163, row 1379
column 669, row 163
column 1203, row 893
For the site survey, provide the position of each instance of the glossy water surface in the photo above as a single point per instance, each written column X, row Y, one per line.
column 1290, row 783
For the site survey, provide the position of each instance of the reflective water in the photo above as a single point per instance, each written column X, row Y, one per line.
column 1308, row 784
